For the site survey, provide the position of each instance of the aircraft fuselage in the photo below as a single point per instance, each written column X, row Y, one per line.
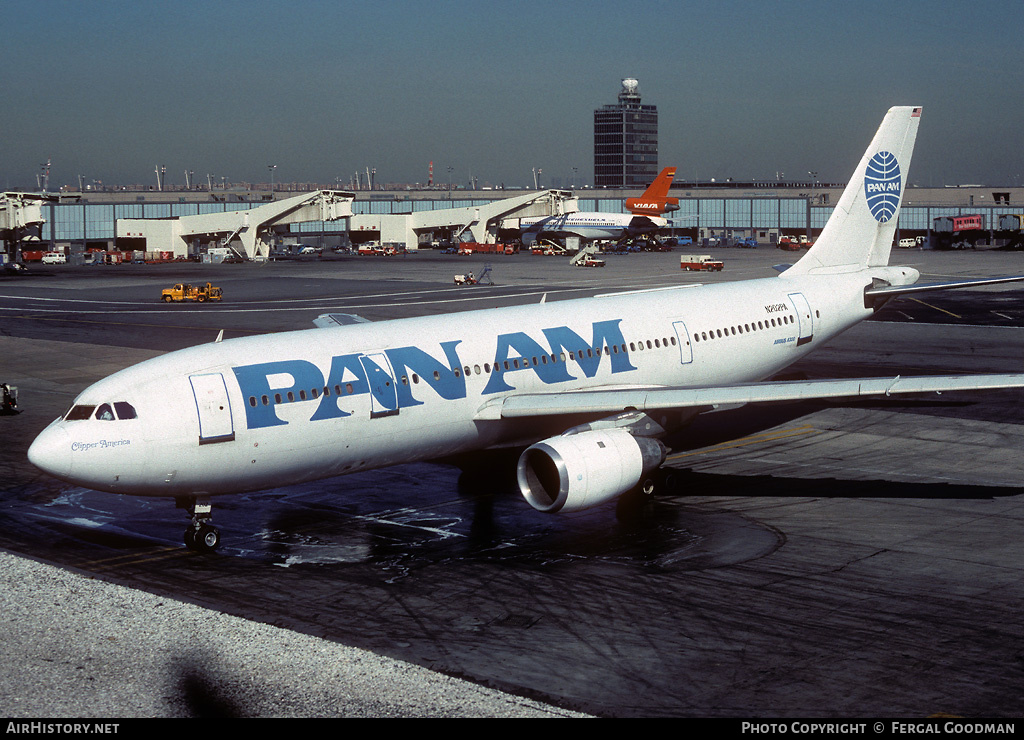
column 258, row 412
column 592, row 226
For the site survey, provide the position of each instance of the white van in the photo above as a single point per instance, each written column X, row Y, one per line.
column 54, row 258
column 908, row 243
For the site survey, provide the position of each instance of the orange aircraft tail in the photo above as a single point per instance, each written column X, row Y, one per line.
column 655, row 200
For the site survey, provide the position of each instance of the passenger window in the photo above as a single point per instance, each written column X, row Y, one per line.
column 124, row 410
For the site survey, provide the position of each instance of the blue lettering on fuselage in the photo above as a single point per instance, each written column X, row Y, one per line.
column 345, row 370
column 349, row 375
column 447, row 380
column 551, row 370
column 254, row 380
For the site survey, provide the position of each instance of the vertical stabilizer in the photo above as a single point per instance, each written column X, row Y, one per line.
column 860, row 231
column 655, row 200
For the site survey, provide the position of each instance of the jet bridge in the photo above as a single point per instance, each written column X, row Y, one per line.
column 481, row 222
column 253, row 227
column 21, row 215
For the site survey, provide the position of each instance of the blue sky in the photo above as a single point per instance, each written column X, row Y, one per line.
column 322, row 89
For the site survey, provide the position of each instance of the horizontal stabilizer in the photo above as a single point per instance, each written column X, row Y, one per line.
column 328, row 320
column 649, row 399
column 888, row 291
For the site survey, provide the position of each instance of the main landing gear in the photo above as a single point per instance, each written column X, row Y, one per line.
column 201, row 535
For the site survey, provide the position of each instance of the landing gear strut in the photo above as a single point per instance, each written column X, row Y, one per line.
column 201, row 535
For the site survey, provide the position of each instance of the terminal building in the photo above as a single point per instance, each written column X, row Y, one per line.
column 74, row 223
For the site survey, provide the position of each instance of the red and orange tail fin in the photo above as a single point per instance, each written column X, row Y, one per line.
column 655, row 200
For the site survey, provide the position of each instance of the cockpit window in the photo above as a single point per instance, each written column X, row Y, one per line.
column 77, row 413
column 104, row 412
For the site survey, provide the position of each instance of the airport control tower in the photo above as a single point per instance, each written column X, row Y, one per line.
column 626, row 141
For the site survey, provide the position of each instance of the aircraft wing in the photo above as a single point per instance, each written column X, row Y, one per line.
column 644, row 399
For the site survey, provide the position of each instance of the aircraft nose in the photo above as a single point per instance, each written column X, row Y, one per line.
column 50, row 452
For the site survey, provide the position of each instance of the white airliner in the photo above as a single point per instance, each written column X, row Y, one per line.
column 644, row 217
column 590, row 385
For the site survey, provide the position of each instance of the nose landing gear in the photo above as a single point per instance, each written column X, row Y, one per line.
column 200, row 535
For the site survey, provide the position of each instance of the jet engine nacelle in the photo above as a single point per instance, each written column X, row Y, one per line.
column 584, row 469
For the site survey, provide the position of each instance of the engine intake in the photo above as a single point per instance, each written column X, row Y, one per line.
column 577, row 471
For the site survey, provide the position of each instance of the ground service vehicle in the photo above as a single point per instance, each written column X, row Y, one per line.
column 700, row 262
column 8, row 399
column 185, row 292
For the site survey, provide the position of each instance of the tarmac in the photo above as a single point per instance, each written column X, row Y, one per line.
column 826, row 560
column 78, row 647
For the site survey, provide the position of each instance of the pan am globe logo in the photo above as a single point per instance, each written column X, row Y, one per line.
column 882, row 186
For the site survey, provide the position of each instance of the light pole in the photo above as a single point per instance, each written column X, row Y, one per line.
column 272, row 167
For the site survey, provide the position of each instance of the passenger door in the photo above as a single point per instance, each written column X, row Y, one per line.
column 381, row 379
column 804, row 317
column 213, row 408
column 683, row 337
